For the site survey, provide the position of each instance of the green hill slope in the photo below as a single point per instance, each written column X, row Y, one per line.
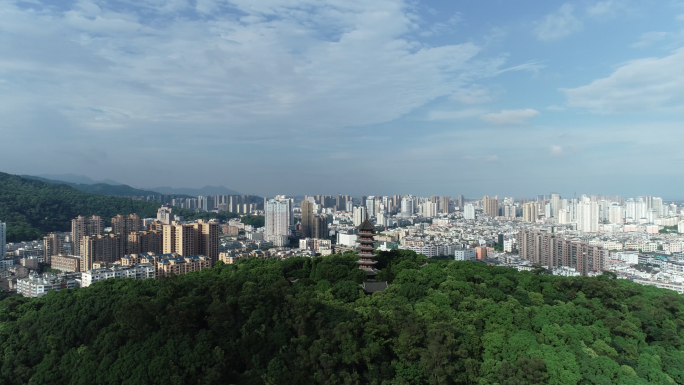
column 32, row 208
column 447, row 323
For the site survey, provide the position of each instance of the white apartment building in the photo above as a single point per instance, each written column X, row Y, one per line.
column 430, row 209
column 465, row 255
column 469, row 211
column 587, row 215
column 279, row 219
column 565, row 271
column 35, row 286
column 346, row 239
column 358, row 215
column 137, row 271
column 407, row 206
column 370, row 206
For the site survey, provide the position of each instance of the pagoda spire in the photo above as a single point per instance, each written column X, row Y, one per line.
column 366, row 250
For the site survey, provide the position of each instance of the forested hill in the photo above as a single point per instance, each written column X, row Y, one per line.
column 120, row 190
column 447, row 323
column 32, row 208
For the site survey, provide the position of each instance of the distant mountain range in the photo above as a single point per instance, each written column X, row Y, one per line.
column 119, row 190
column 206, row 190
column 74, row 178
column 114, row 188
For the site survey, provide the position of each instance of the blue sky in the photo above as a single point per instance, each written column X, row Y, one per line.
column 348, row 96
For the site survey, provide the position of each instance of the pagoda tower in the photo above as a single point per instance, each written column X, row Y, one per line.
column 366, row 255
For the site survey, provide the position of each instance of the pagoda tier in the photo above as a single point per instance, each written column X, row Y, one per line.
column 366, row 249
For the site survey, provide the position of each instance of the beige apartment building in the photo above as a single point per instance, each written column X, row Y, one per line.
column 182, row 265
column 530, row 212
column 548, row 250
column 107, row 248
column 145, row 242
column 192, row 239
column 81, row 227
column 66, row 263
column 490, row 206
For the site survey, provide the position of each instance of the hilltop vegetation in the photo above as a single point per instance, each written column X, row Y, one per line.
column 32, row 208
column 447, row 323
column 120, row 190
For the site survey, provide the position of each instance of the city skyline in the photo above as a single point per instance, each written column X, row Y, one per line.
column 444, row 98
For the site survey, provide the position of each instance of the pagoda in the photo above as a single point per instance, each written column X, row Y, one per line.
column 366, row 256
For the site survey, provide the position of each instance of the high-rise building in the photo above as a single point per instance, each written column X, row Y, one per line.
column 307, row 219
column 207, row 239
column 145, row 242
column 350, row 206
column 430, row 209
column 358, row 215
column 530, row 212
column 107, row 248
column 179, row 238
column 279, row 218
column 165, row 215
column 407, row 206
column 370, row 206
column 587, row 215
column 320, row 227
column 490, row 206
column 81, row 227
column 658, row 206
column 123, row 225
column 461, row 201
column 3, row 240
column 615, row 213
column 52, row 245
column 469, row 211
column 444, row 204
column 555, row 203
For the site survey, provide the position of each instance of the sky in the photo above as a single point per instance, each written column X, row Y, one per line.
column 498, row 97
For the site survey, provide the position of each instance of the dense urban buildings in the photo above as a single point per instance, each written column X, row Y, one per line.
column 583, row 235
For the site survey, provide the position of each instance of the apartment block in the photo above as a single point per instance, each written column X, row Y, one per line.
column 81, row 227
column 550, row 251
column 183, row 265
column 137, row 271
column 66, row 263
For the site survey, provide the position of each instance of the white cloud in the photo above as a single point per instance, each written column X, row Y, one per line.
column 649, row 38
column 474, row 94
column 608, row 8
column 559, row 24
column 652, row 84
column 554, row 107
column 206, row 6
column 556, row 150
column 453, row 115
column 274, row 63
column 510, row 117
column 680, row 17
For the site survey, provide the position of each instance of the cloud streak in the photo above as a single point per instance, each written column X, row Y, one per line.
column 651, row 84
column 510, row 117
column 559, row 24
